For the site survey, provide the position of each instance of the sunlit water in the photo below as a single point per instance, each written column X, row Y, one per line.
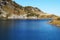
column 28, row 30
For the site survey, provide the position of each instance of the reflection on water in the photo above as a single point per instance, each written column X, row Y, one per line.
column 28, row 30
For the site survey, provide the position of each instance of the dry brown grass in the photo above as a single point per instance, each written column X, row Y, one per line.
column 55, row 22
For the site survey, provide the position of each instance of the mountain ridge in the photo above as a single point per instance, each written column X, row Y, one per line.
column 11, row 10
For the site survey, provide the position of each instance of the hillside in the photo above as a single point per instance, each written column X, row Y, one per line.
column 56, row 22
column 11, row 10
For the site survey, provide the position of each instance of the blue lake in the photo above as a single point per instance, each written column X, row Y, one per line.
column 28, row 30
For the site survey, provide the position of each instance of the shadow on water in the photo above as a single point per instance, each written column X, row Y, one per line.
column 28, row 30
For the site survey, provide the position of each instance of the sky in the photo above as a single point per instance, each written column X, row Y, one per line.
column 47, row 6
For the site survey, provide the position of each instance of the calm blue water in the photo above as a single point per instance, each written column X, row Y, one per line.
column 28, row 30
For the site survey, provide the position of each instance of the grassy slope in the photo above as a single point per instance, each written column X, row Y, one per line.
column 56, row 22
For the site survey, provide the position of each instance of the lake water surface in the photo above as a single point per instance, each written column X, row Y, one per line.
column 28, row 30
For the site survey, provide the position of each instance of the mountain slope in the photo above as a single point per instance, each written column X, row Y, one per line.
column 11, row 10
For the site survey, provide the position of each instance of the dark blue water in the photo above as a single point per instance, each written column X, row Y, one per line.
column 28, row 30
